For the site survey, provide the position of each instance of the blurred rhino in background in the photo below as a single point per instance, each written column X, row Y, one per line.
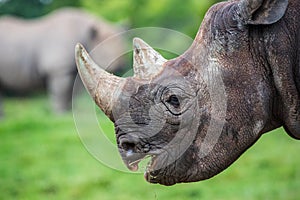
column 37, row 53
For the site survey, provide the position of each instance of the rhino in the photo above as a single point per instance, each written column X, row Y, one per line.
column 245, row 57
column 38, row 52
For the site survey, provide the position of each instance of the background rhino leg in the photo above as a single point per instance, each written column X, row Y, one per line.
column 60, row 91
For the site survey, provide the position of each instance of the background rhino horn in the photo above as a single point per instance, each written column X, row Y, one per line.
column 100, row 84
column 146, row 61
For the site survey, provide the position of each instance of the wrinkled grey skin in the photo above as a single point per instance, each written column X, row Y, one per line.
column 38, row 52
column 254, row 46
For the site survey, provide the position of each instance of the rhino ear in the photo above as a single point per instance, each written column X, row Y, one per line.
column 146, row 61
column 262, row 11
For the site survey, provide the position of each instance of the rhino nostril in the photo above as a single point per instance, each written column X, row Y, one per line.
column 127, row 145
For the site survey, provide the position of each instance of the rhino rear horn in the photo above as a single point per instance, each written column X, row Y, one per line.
column 262, row 11
column 146, row 61
column 100, row 84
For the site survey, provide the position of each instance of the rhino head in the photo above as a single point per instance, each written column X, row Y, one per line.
column 196, row 114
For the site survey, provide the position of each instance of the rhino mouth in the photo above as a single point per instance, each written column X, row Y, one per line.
column 132, row 160
column 154, row 172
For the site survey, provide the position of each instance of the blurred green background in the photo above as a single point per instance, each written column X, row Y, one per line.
column 175, row 14
column 42, row 156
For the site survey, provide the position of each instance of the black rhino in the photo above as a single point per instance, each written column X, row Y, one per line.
column 34, row 52
column 166, row 110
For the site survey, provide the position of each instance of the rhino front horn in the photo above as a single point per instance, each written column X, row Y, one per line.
column 146, row 61
column 100, row 84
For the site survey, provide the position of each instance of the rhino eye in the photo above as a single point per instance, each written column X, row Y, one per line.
column 174, row 101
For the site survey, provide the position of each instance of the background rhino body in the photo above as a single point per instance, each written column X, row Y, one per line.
column 40, row 52
column 251, row 47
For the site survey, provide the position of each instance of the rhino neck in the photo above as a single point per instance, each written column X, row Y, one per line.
column 282, row 43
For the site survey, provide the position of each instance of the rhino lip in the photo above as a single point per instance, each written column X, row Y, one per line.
column 132, row 160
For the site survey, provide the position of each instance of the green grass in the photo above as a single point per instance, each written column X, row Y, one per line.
column 42, row 157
